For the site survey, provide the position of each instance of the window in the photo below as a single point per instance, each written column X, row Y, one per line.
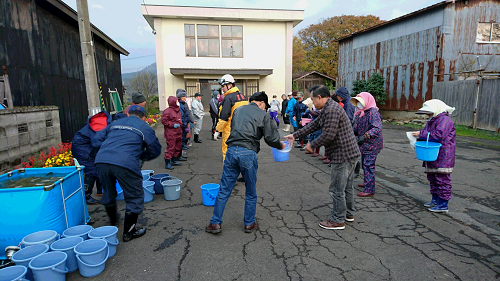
column 190, row 40
column 488, row 32
column 109, row 52
column 208, row 40
column 232, row 41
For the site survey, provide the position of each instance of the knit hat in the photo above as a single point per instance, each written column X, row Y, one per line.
column 138, row 97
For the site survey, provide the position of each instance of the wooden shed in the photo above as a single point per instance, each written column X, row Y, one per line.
column 40, row 47
column 305, row 80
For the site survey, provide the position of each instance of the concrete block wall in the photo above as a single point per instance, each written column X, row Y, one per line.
column 26, row 131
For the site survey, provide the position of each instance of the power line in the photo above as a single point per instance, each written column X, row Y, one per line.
column 139, row 57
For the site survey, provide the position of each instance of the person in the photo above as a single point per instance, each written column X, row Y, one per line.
column 232, row 100
column 340, row 144
column 82, row 150
column 289, row 110
column 137, row 99
column 342, row 96
column 311, row 113
column 298, row 109
column 440, row 128
column 121, row 145
column 214, row 112
column 284, row 105
column 249, row 124
column 186, row 116
column 368, row 131
column 198, row 113
column 172, row 124
column 273, row 110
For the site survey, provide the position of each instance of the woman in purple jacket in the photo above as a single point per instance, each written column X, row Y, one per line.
column 368, row 132
column 440, row 129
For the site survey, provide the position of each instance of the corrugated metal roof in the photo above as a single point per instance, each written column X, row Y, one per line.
column 74, row 15
column 397, row 19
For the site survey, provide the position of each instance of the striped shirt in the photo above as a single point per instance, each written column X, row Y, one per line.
column 336, row 136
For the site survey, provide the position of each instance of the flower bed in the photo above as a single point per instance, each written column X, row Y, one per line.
column 152, row 119
column 57, row 157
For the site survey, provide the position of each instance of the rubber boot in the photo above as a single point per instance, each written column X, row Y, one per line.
column 113, row 215
column 433, row 202
column 174, row 162
column 129, row 230
column 197, row 138
column 167, row 165
column 441, row 207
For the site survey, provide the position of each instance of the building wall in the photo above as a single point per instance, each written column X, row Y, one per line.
column 264, row 47
column 40, row 46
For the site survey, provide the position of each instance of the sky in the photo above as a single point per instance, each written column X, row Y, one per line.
column 122, row 20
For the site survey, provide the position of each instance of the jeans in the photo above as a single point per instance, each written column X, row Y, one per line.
column 341, row 190
column 238, row 160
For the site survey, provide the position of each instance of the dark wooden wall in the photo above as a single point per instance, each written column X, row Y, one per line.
column 40, row 46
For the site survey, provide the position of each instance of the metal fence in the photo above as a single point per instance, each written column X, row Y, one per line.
column 476, row 101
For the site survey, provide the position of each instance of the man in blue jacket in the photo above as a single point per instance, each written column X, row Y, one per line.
column 186, row 121
column 121, row 145
column 85, row 154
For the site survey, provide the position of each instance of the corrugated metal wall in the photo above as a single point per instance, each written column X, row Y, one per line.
column 462, row 95
column 409, row 52
column 40, row 46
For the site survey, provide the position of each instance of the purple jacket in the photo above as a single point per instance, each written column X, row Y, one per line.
column 441, row 130
column 370, row 123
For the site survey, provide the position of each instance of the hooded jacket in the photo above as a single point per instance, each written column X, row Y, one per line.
column 185, row 114
column 197, row 110
column 126, row 141
column 289, row 111
column 214, row 105
column 82, row 147
column 172, row 115
column 348, row 107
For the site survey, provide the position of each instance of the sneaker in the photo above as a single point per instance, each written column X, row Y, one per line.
column 349, row 219
column 92, row 201
column 329, row 224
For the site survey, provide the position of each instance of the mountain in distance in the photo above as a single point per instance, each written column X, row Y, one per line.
column 126, row 77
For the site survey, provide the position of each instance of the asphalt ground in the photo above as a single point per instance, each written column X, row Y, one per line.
column 393, row 236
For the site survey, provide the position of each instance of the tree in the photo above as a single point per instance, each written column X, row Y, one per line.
column 374, row 85
column 318, row 42
column 299, row 57
column 146, row 83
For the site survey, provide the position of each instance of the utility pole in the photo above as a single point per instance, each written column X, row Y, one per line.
column 89, row 69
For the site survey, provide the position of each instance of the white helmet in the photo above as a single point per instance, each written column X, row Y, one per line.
column 226, row 79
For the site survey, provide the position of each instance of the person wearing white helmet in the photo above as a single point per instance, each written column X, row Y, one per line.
column 232, row 100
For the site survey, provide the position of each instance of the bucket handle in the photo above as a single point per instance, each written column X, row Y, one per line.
column 112, row 243
column 60, row 271
column 93, row 265
column 427, row 143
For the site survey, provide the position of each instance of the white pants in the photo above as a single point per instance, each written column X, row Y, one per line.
column 197, row 126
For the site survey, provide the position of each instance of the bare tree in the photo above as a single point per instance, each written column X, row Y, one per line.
column 146, row 83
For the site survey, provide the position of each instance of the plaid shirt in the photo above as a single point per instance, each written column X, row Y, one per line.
column 336, row 136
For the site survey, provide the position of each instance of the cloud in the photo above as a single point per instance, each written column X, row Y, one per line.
column 301, row 5
column 396, row 13
column 139, row 30
column 97, row 6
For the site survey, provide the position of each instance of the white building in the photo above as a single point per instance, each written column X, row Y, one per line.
column 197, row 45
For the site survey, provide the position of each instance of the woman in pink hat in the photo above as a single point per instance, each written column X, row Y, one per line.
column 368, row 131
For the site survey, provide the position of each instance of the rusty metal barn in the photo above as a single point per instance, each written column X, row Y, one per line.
column 448, row 42
column 40, row 47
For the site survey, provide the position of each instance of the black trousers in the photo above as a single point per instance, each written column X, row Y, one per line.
column 130, row 182
column 89, row 182
column 214, row 123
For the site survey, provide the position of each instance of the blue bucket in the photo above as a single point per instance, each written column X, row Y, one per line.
column 13, row 273
column 209, row 193
column 49, row 266
column 282, row 155
column 149, row 190
column 91, row 270
column 119, row 192
column 40, row 237
column 92, row 251
column 157, row 180
column 171, row 188
column 78, row 231
column 67, row 245
column 146, row 174
column 108, row 233
column 428, row 150
column 24, row 256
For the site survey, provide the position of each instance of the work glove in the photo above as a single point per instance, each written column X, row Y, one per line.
column 216, row 135
column 186, row 129
column 360, row 140
column 176, row 126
